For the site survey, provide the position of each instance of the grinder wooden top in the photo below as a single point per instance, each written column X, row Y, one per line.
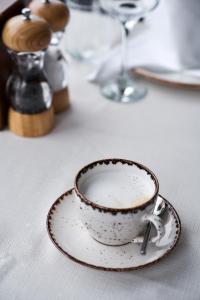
column 54, row 12
column 26, row 33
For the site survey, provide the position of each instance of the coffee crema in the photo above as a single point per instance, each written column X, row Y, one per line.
column 117, row 187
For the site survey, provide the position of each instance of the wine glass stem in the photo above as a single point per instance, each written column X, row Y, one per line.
column 126, row 29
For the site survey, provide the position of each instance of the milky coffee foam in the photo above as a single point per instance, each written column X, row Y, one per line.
column 117, row 189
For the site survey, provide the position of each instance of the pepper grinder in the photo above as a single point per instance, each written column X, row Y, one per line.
column 56, row 14
column 31, row 112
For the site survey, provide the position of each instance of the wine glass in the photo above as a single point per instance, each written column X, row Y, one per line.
column 86, row 17
column 124, row 88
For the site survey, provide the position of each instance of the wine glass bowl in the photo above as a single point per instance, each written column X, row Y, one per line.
column 125, row 10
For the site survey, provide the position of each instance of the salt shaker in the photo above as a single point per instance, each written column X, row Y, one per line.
column 56, row 13
column 31, row 112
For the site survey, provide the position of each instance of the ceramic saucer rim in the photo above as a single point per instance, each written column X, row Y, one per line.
column 53, row 240
column 158, row 78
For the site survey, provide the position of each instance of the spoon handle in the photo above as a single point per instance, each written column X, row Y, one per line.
column 146, row 239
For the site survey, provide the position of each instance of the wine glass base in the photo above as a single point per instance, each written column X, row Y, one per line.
column 123, row 89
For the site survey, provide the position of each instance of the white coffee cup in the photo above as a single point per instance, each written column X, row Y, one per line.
column 116, row 198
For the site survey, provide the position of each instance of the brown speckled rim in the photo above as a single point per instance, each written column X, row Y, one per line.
column 109, row 209
column 53, row 239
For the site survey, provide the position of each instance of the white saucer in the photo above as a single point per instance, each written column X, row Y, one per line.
column 72, row 239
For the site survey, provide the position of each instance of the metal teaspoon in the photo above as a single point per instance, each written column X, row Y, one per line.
column 158, row 211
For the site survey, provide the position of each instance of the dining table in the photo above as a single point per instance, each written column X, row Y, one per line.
column 161, row 131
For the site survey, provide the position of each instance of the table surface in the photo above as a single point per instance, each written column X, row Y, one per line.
column 162, row 131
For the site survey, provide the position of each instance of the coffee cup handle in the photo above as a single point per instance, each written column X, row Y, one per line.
column 157, row 222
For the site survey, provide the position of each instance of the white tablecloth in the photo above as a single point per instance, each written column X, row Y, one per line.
column 162, row 131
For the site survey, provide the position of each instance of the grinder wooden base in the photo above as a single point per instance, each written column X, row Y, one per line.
column 31, row 125
column 61, row 100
